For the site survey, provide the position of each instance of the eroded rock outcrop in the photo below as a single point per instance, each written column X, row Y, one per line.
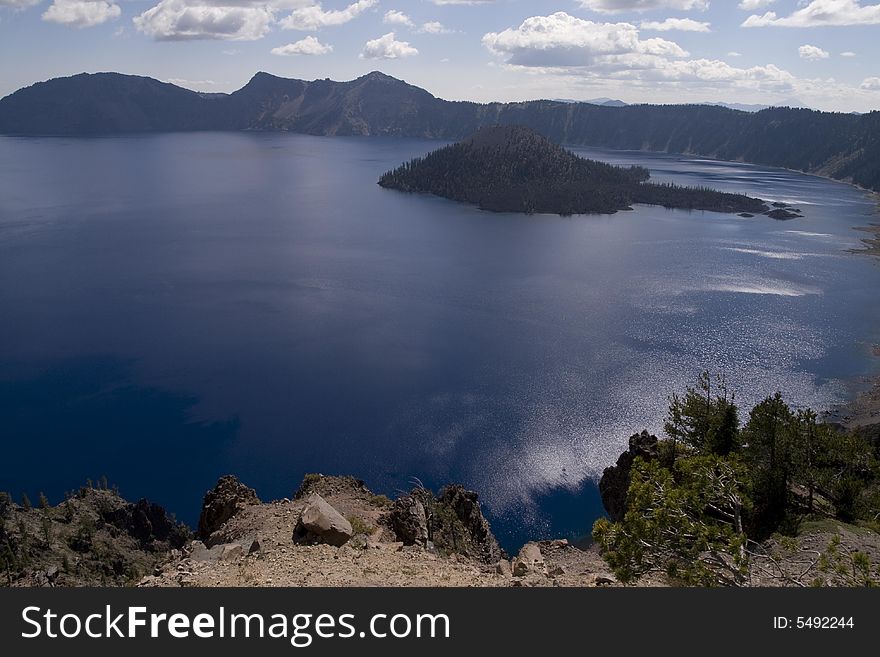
column 149, row 523
column 452, row 522
column 222, row 502
column 615, row 479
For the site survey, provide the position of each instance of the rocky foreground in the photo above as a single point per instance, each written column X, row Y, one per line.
column 335, row 532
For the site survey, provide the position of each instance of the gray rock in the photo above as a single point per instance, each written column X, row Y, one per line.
column 321, row 523
column 231, row 552
column 529, row 561
column 201, row 553
column 409, row 521
column 503, row 568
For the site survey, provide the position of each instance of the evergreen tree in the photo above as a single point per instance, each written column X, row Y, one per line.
column 705, row 418
column 767, row 438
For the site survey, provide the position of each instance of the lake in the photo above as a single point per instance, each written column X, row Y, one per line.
column 177, row 307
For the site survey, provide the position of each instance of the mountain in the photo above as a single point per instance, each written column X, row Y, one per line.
column 514, row 169
column 604, row 102
column 841, row 146
column 741, row 107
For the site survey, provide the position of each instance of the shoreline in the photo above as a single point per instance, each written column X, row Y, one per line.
column 862, row 409
column 872, row 243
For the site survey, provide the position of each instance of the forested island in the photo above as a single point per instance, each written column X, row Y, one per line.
column 514, row 169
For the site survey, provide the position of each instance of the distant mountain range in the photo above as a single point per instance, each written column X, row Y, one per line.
column 841, row 146
column 604, row 102
column 611, row 102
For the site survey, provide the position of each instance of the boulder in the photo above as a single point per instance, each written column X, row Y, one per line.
column 615, row 480
column 409, row 521
column 231, row 552
column 529, row 561
column 321, row 523
column 503, row 568
column 222, row 502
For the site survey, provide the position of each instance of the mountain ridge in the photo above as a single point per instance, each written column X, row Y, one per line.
column 844, row 147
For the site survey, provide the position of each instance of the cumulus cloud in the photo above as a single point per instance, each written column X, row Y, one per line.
column 314, row 17
column 563, row 40
column 434, row 27
column 754, row 5
column 848, row 53
column 394, row 17
column 871, row 84
column 676, row 24
column 81, row 13
column 387, row 47
column 462, row 2
column 185, row 20
column 734, row 53
column 813, row 52
column 308, row 46
column 619, row 6
column 561, row 43
column 818, row 13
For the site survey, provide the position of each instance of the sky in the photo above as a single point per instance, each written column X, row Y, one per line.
column 823, row 54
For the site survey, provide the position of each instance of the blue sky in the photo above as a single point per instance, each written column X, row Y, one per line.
column 819, row 53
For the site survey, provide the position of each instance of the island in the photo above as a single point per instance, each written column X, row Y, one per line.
column 514, row 169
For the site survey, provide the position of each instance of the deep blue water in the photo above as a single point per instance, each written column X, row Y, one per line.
column 176, row 307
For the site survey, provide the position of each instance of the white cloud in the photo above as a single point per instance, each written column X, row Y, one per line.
column 813, row 52
column 619, row 6
column 462, row 2
column 19, row 4
column 394, row 17
column 563, row 40
column 387, row 47
column 314, row 17
column 308, row 46
column 848, row 53
column 81, row 13
column 753, row 5
column 817, row 13
column 184, row 20
column 676, row 24
column 734, row 53
column 181, row 82
column 434, row 27
column 871, row 84
column 563, row 44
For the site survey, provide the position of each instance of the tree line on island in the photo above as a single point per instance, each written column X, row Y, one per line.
column 703, row 504
column 514, row 169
